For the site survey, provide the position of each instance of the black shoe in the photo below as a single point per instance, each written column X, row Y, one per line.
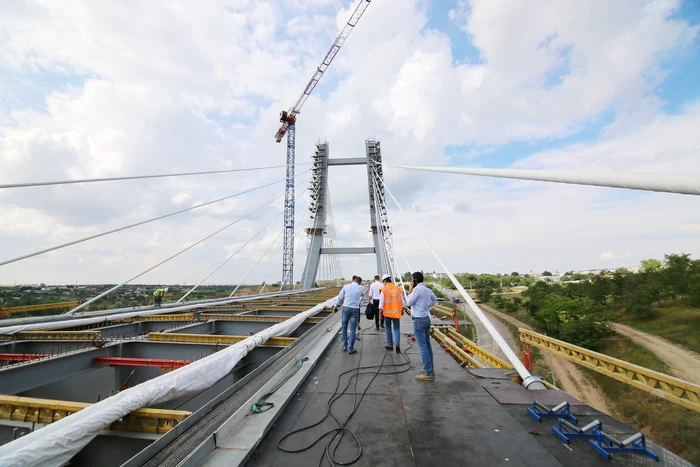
column 377, row 328
column 344, row 349
column 398, row 349
column 389, row 347
column 353, row 351
column 382, row 326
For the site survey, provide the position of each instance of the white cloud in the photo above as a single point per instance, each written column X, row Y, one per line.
column 164, row 94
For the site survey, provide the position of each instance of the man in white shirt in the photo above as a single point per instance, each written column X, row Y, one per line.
column 421, row 299
column 351, row 294
column 375, row 293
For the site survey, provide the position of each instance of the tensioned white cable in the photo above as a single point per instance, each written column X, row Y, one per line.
column 242, row 281
column 529, row 381
column 91, row 237
column 403, row 253
column 665, row 183
column 83, row 305
column 234, row 254
column 137, row 177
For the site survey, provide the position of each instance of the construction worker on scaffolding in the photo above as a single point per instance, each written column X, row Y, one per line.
column 391, row 309
column 158, row 296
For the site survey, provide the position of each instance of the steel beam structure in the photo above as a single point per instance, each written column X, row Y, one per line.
column 348, row 251
column 348, row 161
column 288, row 246
column 164, row 363
column 215, row 339
column 373, row 152
column 33, row 410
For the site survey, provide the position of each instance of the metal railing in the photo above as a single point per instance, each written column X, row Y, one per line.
column 667, row 387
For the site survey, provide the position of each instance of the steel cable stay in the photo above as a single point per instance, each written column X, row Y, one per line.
column 665, row 183
column 529, row 381
column 137, row 177
column 94, row 299
column 126, row 227
column 228, row 258
column 242, row 281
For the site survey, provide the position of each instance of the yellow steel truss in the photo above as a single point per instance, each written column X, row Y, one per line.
column 30, row 409
column 456, row 350
column 667, row 387
column 258, row 318
column 471, row 347
column 214, row 339
column 52, row 336
column 45, row 306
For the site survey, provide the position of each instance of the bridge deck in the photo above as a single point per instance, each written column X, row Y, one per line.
column 476, row 417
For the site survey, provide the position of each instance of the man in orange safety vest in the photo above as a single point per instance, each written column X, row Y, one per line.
column 391, row 308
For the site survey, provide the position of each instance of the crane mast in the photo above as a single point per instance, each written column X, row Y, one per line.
column 288, row 119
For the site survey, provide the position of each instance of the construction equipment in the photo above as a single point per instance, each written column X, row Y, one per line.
column 605, row 444
column 565, row 430
column 563, row 410
column 288, row 119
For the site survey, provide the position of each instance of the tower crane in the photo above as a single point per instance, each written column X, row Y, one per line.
column 288, row 119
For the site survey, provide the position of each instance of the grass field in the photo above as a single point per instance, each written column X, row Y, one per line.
column 672, row 321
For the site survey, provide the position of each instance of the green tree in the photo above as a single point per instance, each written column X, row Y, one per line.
column 547, row 273
column 694, row 291
column 651, row 265
column 484, row 293
column 677, row 273
column 515, row 274
column 518, row 302
column 640, row 301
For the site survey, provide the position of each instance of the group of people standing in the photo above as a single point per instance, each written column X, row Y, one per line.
column 387, row 301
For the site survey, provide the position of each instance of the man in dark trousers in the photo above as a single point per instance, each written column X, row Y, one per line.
column 375, row 293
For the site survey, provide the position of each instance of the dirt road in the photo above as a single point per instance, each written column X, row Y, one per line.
column 683, row 363
column 566, row 374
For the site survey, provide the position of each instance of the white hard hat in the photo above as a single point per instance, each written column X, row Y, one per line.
column 165, row 289
column 385, row 277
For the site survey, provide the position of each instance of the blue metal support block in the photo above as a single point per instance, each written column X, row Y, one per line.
column 605, row 444
column 540, row 410
column 565, row 430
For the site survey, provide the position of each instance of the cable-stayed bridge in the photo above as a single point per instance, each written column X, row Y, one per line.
column 260, row 379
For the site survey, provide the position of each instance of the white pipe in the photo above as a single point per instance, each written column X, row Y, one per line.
column 529, row 381
column 75, row 242
column 136, row 177
column 665, row 183
column 81, row 306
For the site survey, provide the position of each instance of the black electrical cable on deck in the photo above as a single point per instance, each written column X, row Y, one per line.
column 340, row 431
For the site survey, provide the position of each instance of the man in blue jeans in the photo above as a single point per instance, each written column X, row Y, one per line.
column 421, row 299
column 352, row 294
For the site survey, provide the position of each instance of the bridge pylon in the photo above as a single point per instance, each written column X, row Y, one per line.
column 318, row 207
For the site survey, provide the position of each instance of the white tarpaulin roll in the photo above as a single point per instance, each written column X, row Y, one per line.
column 58, row 442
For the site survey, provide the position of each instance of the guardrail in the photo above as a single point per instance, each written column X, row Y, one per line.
column 487, row 357
column 457, row 352
column 672, row 389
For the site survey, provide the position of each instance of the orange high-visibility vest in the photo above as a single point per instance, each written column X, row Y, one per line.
column 392, row 301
